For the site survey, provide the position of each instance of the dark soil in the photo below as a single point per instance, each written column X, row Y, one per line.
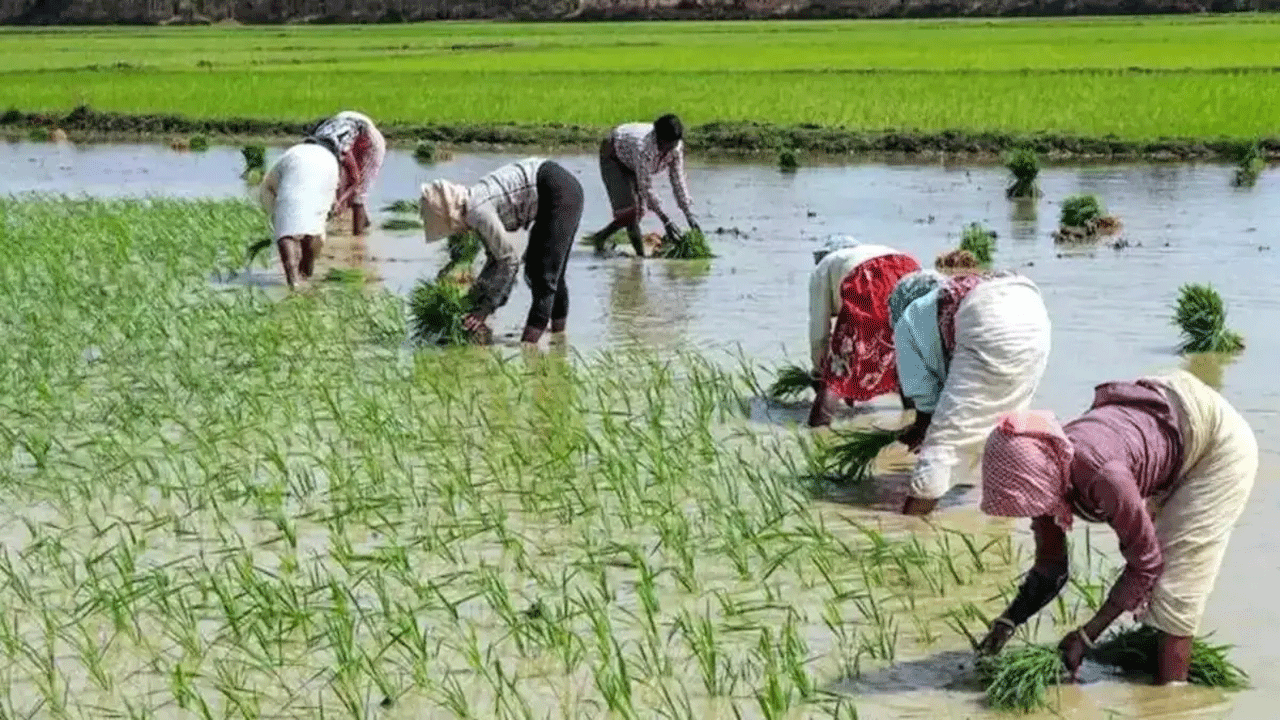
column 711, row 138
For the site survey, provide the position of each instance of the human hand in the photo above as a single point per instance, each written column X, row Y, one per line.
column 912, row 437
column 672, row 232
column 472, row 322
column 693, row 225
column 1073, row 648
column 999, row 634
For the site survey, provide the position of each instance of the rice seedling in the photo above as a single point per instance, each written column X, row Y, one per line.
column 464, row 247
column 1024, row 164
column 38, row 134
column 255, row 157
column 1202, row 317
column 691, row 245
column 851, row 456
column 788, row 160
column 1079, row 210
column 425, row 152
column 1018, row 679
column 401, row 206
column 437, row 309
column 1133, row 651
column 198, row 143
column 346, row 276
column 979, row 241
column 401, row 224
column 1249, row 166
column 792, row 380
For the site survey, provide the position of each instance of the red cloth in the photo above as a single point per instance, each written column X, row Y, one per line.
column 860, row 363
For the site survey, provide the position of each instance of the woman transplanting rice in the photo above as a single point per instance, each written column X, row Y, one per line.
column 969, row 348
column 298, row 192
column 853, row 359
column 534, row 194
column 1167, row 442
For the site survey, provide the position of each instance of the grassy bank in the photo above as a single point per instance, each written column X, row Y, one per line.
column 240, row 505
column 1133, row 85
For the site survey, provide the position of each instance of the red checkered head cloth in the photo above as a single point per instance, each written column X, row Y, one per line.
column 1026, row 468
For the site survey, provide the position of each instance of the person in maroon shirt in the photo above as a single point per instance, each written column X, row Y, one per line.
column 1167, row 463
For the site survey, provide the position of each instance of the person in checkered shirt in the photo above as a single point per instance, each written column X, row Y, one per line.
column 629, row 158
column 360, row 148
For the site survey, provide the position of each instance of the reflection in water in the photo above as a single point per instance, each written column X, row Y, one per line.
column 1208, row 367
column 1023, row 217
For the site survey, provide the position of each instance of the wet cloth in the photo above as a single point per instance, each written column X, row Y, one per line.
column 856, row 359
column 1002, row 343
column 635, row 147
column 297, row 191
column 359, row 144
column 1165, row 460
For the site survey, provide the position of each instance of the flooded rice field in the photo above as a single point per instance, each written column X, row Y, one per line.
column 1111, row 310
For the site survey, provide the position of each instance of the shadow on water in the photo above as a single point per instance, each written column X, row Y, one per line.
column 1024, row 215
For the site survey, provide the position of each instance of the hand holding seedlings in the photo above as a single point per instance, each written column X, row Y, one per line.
column 1002, row 629
column 1073, row 648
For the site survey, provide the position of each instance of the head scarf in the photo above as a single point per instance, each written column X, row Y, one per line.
column 909, row 289
column 1026, row 468
column 442, row 207
column 832, row 244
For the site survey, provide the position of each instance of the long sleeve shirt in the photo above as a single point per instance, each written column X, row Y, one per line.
column 917, row 342
column 1126, row 450
column 636, row 145
column 360, row 144
column 498, row 206
column 824, row 292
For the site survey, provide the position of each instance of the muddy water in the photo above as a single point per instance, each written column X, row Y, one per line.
column 1110, row 310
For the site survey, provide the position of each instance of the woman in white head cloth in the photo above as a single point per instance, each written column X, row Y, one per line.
column 853, row 358
column 970, row 347
column 534, row 194
column 297, row 192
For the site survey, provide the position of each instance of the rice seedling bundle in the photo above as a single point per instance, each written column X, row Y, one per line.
column 788, row 160
column 401, row 206
column 792, row 380
column 1024, row 164
column 255, row 157
column 199, row 143
column 425, row 152
column 1250, row 166
column 691, row 245
column 437, row 309
column 980, row 241
column 853, row 454
column 346, row 276
column 401, row 224
column 1018, row 679
column 1202, row 316
column 1078, row 210
column 1133, row 651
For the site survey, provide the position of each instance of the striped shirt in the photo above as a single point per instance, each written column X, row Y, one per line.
column 498, row 205
column 636, row 145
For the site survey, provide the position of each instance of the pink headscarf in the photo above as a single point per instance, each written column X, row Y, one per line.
column 1026, row 468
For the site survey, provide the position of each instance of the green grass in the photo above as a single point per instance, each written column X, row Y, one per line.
column 792, row 381
column 229, row 501
column 1017, row 680
column 1135, row 78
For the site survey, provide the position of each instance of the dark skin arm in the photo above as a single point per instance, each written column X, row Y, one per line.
column 912, row 437
column 1050, row 565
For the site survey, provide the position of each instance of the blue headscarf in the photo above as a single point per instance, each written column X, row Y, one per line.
column 909, row 289
column 833, row 243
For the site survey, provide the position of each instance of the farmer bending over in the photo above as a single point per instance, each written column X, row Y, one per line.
column 360, row 148
column 855, row 361
column 533, row 194
column 629, row 158
column 1167, row 463
column 297, row 191
column 970, row 348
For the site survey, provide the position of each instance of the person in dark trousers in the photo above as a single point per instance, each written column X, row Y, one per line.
column 629, row 158
column 534, row 194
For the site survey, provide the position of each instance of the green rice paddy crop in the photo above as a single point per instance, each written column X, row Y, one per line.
column 224, row 500
column 1131, row 78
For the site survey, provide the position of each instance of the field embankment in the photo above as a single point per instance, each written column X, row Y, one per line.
column 1154, row 87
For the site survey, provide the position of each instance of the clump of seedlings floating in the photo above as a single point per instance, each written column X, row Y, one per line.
column 850, row 457
column 979, row 241
column 788, row 160
column 1250, row 165
column 346, row 276
column 398, row 224
column 1083, row 219
column 1018, row 679
column 692, row 245
column 791, row 382
column 198, row 143
column 1133, row 651
column 1024, row 164
column 401, row 206
column 1202, row 316
column 428, row 153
